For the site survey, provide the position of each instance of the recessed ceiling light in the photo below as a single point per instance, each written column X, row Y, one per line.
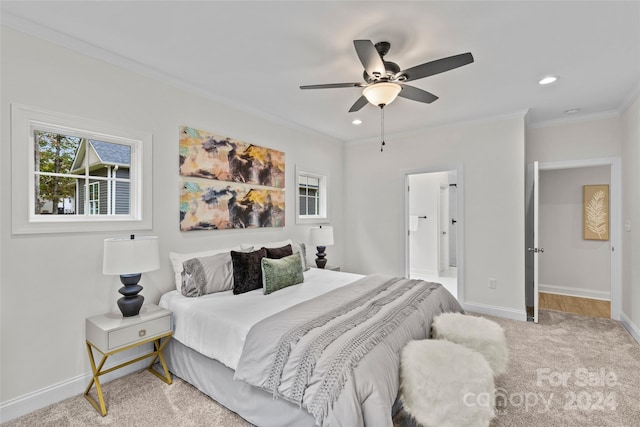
column 357, row 122
column 547, row 80
column 571, row 111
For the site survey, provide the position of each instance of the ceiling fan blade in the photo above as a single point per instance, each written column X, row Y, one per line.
column 417, row 94
column 361, row 102
column 370, row 58
column 436, row 67
column 332, row 85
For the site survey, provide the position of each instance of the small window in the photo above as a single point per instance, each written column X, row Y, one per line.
column 309, row 191
column 81, row 175
column 94, row 198
column 311, row 202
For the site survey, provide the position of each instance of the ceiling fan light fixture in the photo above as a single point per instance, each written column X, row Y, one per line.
column 381, row 94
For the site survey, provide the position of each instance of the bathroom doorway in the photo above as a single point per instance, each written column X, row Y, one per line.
column 433, row 228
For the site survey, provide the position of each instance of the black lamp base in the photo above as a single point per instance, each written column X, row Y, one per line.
column 131, row 303
column 321, row 261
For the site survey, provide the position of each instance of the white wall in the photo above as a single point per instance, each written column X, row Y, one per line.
column 424, row 201
column 571, row 265
column 597, row 137
column 491, row 153
column 51, row 283
column 612, row 135
column 631, row 212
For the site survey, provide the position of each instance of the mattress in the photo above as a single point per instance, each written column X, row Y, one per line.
column 216, row 325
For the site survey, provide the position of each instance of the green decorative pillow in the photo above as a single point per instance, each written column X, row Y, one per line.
column 280, row 273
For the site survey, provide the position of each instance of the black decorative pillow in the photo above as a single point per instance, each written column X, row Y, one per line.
column 277, row 253
column 247, row 270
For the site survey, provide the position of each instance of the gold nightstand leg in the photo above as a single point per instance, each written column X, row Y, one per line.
column 158, row 355
column 96, row 373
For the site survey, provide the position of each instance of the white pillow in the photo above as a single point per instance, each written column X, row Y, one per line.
column 178, row 258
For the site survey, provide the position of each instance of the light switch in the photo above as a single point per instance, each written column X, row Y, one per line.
column 627, row 225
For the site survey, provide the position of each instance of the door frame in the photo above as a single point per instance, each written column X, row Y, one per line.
column 615, row 201
column 459, row 169
column 443, row 227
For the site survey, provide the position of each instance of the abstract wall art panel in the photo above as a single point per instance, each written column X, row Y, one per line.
column 217, row 205
column 596, row 212
column 207, row 155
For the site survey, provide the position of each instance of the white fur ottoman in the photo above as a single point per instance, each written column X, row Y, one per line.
column 443, row 384
column 476, row 333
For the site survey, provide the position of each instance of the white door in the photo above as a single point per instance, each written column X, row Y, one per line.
column 443, row 230
column 536, row 251
column 532, row 244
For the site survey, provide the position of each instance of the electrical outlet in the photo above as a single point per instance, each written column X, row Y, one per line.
column 492, row 283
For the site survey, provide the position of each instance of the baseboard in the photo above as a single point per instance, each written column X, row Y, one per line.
column 630, row 326
column 71, row 387
column 575, row 292
column 508, row 313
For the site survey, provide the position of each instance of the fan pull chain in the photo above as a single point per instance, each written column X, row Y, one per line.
column 382, row 144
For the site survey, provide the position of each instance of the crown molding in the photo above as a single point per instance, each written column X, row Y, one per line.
column 576, row 119
column 54, row 36
column 469, row 122
column 633, row 94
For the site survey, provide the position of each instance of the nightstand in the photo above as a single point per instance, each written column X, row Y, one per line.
column 112, row 333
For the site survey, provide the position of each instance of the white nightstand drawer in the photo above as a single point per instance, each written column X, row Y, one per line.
column 138, row 332
column 111, row 331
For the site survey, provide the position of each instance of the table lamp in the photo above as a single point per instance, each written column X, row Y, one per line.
column 321, row 237
column 129, row 257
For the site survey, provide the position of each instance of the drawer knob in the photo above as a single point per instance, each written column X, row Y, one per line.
column 142, row 332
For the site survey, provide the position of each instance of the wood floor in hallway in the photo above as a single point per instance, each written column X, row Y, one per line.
column 577, row 305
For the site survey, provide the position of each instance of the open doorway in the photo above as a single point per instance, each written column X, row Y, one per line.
column 432, row 235
column 574, row 271
column 546, row 229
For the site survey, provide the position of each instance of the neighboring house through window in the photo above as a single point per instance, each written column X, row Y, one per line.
column 81, row 175
column 108, row 177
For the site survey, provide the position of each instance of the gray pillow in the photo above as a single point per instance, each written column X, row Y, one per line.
column 300, row 247
column 280, row 273
column 206, row 275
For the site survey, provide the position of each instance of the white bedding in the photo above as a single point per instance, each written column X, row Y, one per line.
column 217, row 325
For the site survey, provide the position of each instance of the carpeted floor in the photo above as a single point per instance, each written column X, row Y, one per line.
column 568, row 370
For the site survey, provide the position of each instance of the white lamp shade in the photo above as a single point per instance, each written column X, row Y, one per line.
column 381, row 93
column 322, row 236
column 123, row 255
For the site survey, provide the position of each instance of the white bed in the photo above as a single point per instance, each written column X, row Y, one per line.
column 225, row 319
column 210, row 333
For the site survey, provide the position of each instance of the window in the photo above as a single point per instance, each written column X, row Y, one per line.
column 311, row 201
column 94, row 198
column 309, row 193
column 80, row 175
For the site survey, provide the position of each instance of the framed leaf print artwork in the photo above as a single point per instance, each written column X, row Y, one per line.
column 595, row 212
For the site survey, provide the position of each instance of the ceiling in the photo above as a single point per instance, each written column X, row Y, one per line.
column 254, row 55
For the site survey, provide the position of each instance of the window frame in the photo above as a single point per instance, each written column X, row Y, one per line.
column 323, row 191
column 25, row 121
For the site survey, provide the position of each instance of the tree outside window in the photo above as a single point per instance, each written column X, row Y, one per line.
column 54, row 155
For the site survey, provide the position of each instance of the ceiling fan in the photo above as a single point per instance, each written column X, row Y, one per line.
column 384, row 80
